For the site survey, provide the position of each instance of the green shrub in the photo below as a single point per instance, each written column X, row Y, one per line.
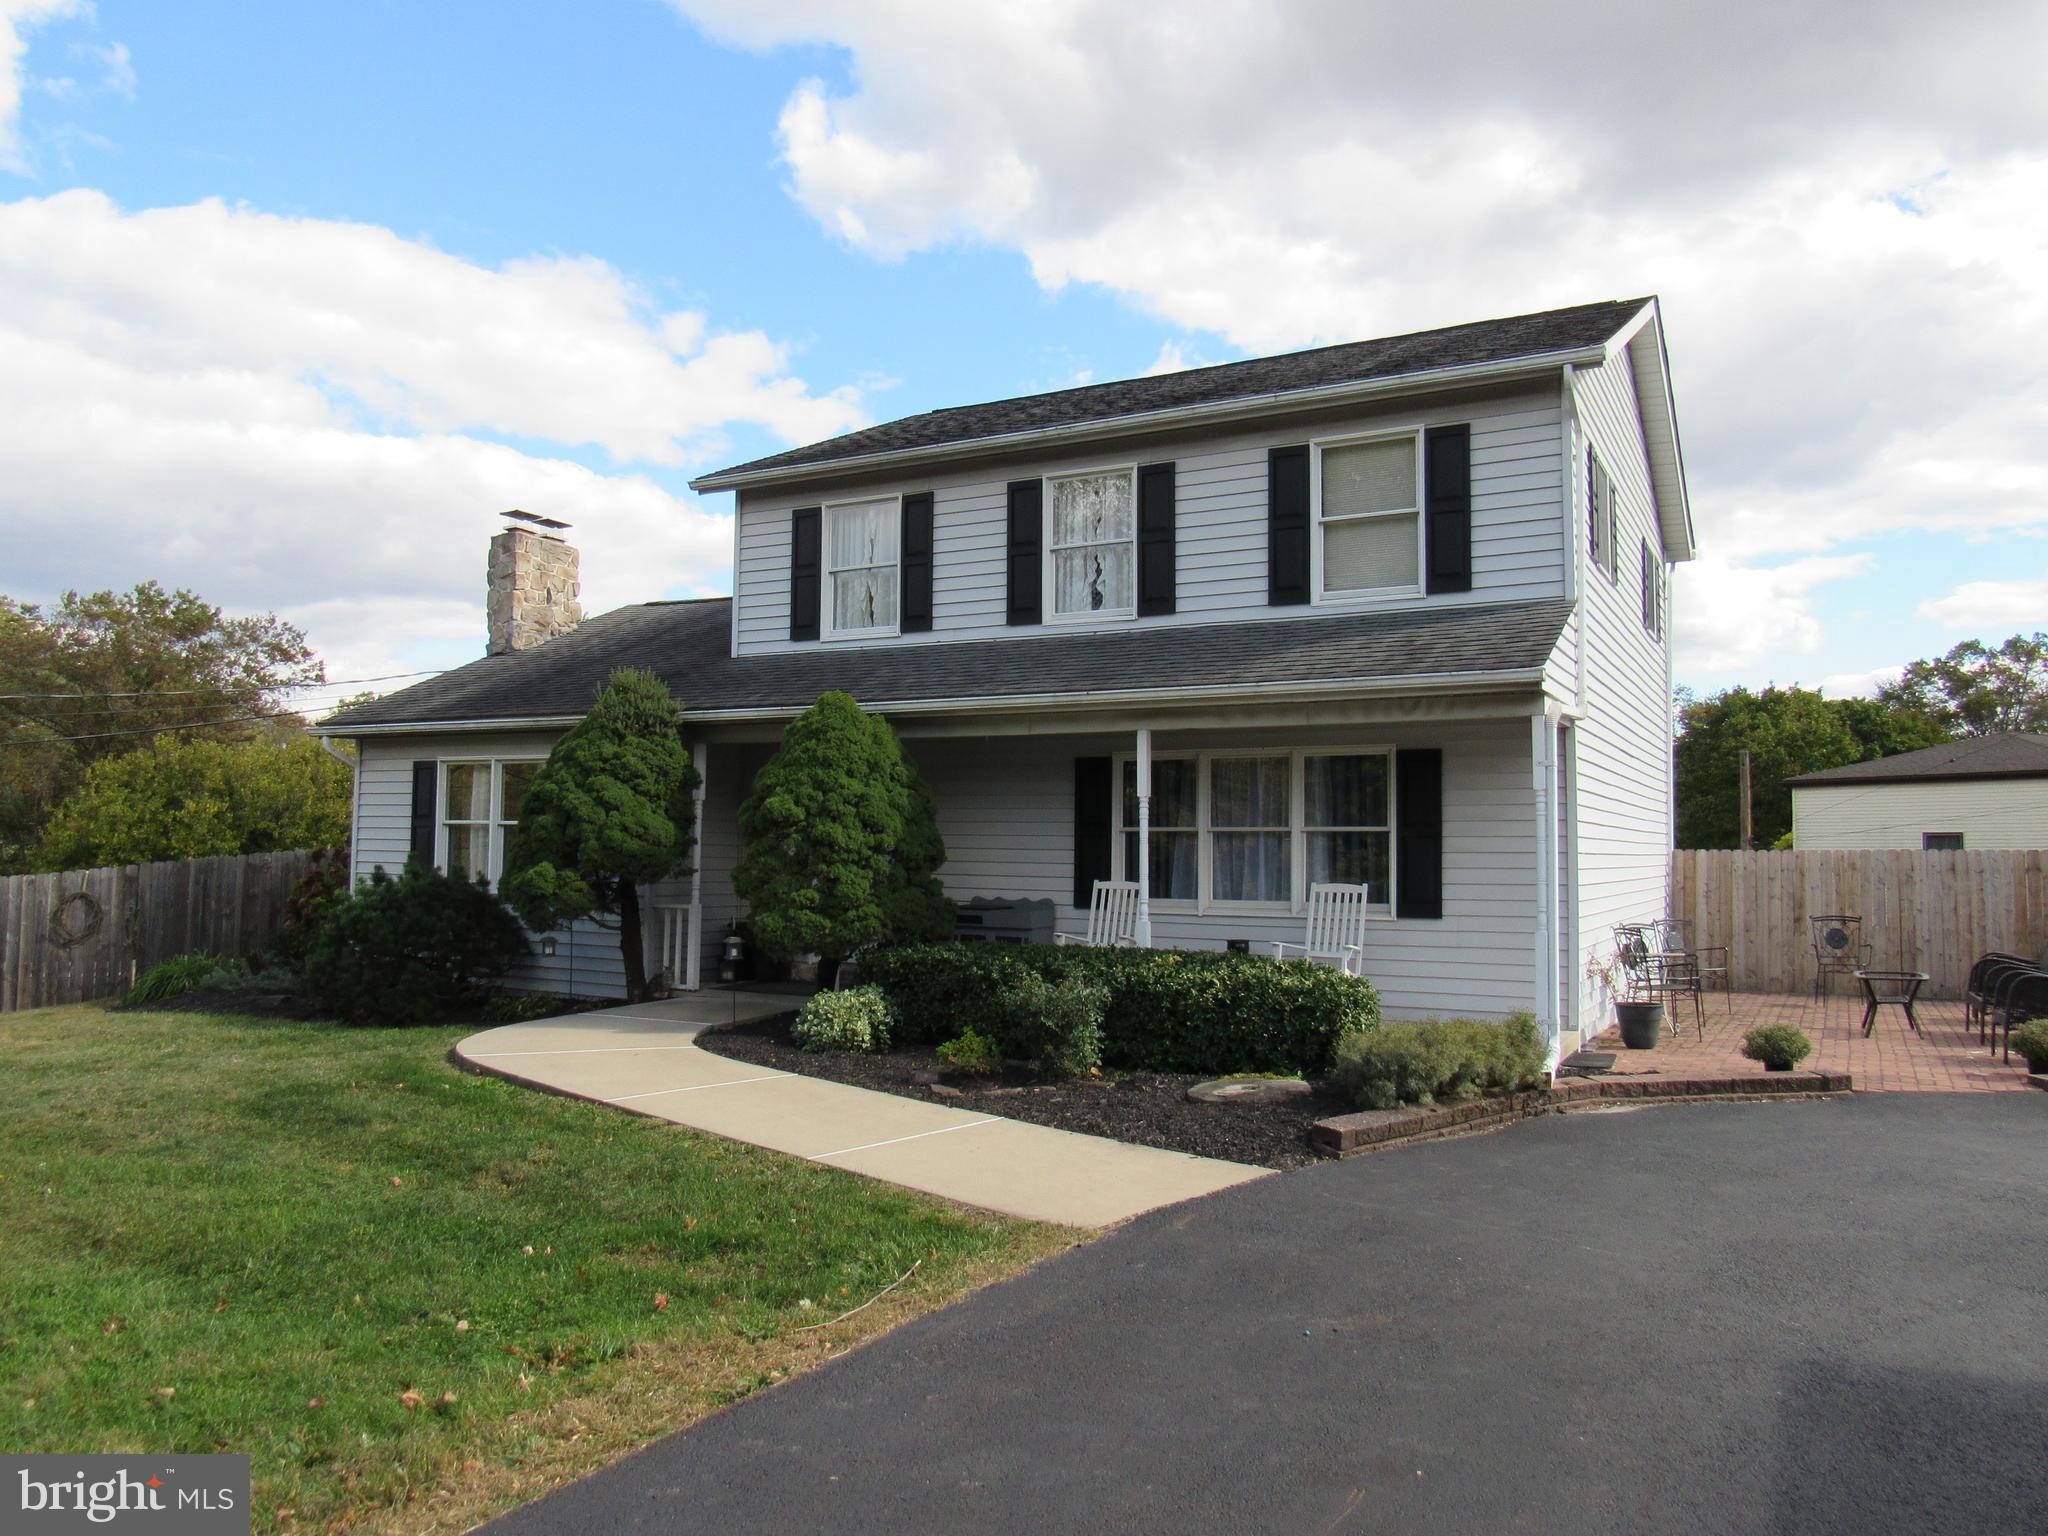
column 410, row 950
column 174, row 977
column 324, row 883
column 2031, row 1041
column 857, row 1019
column 1780, row 1046
column 1440, row 1060
column 1056, row 1025
column 1163, row 1010
column 524, row 1007
column 973, row 1053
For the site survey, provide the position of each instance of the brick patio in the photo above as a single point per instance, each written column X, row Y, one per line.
column 1943, row 1058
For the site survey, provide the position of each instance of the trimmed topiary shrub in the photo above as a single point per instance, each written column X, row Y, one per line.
column 972, row 1053
column 2031, row 1041
column 857, row 1019
column 1056, row 1025
column 1163, row 1010
column 1440, row 1060
column 410, row 950
column 178, row 975
column 1780, row 1047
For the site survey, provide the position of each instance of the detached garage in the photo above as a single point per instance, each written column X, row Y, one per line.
column 1980, row 793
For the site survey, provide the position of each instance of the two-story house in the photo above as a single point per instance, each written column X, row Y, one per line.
column 1393, row 613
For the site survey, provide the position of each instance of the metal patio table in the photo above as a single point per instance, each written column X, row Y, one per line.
column 1899, row 987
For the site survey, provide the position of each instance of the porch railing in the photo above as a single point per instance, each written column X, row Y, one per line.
column 681, row 951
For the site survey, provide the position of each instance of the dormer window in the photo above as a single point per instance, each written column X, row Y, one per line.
column 1369, row 517
column 1093, row 570
column 861, row 540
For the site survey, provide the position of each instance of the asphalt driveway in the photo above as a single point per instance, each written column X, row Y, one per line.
column 1746, row 1318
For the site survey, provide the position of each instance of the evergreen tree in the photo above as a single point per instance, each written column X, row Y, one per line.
column 842, row 847
column 610, row 811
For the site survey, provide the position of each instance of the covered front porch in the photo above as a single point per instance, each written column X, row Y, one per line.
column 1445, row 805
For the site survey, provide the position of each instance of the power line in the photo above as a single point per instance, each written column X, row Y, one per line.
column 167, row 693
column 151, row 730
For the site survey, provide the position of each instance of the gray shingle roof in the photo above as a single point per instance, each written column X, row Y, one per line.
column 1485, row 341
column 2012, row 756
column 686, row 644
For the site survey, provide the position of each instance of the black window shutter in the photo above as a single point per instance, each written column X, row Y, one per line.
column 916, row 606
column 804, row 578
column 1094, row 805
column 1027, row 551
column 1287, row 526
column 1419, row 832
column 1595, row 545
column 426, row 791
column 1447, row 477
column 1156, row 514
column 1649, row 589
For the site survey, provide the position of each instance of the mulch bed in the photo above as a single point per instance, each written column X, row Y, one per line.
column 1150, row 1109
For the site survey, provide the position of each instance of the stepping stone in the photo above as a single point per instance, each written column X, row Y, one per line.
column 1249, row 1090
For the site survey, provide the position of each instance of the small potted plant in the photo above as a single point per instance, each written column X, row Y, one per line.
column 2031, row 1041
column 1780, row 1047
column 1641, row 1019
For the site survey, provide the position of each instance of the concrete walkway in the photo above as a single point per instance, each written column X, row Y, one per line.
column 644, row 1058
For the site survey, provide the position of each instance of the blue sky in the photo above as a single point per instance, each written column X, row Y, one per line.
column 889, row 213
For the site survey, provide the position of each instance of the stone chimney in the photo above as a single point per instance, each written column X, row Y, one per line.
column 533, row 585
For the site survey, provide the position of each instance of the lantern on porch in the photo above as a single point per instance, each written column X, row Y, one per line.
column 732, row 954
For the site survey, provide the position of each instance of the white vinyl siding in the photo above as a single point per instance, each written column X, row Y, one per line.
column 586, row 959
column 1622, row 745
column 1518, row 537
column 1988, row 813
column 1006, row 810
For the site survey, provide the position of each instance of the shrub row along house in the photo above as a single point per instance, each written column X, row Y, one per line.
column 1392, row 613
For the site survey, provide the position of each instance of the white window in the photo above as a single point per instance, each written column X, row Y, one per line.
column 1256, row 829
column 1348, row 820
column 860, row 566
column 1093, row 570
column 1176, row 819
column 1602, row 523
column 1369, row 517
column 480, row 804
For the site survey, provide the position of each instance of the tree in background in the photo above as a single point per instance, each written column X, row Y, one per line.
column 841, row 846
column 183, row 799
column 105, row 674
column 1788, row 732
column 610, row 811
column 1977, row 691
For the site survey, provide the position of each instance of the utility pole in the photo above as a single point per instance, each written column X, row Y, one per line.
column 1748, row 829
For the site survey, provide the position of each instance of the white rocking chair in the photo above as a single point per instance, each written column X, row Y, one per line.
column 1336, row 928
column 1112, row 917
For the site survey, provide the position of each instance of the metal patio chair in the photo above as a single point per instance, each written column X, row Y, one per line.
column 1711, row 959
column 1838, row 950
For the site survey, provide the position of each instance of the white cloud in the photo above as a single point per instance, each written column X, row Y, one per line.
column 1844, row 207
column 118, row 76
column 1976, row 607
column 1859, row 685
column 16, row 18
column 1729, row 617
column 296, row 414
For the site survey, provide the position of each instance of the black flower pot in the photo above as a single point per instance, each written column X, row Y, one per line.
column 1642, row 1024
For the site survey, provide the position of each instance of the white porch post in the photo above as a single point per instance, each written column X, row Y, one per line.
column 1144, row 926
column 693, row 966
column 1543, row 775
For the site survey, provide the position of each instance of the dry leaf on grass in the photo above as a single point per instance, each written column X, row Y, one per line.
column 410, row 1398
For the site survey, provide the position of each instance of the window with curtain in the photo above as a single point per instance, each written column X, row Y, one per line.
column 480, row 807
column 860, row 565
column 1094, row 543
column 1251, row 836
column 1347, row 820
column 1176, row 832
column 1370, row 516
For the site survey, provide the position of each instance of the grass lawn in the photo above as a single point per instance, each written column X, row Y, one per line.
column 414, row 1296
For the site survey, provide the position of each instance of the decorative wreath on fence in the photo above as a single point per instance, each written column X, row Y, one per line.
column 67, row 932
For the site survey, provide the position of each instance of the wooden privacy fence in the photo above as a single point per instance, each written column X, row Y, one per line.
column 1932, row 912
column 88, row 933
